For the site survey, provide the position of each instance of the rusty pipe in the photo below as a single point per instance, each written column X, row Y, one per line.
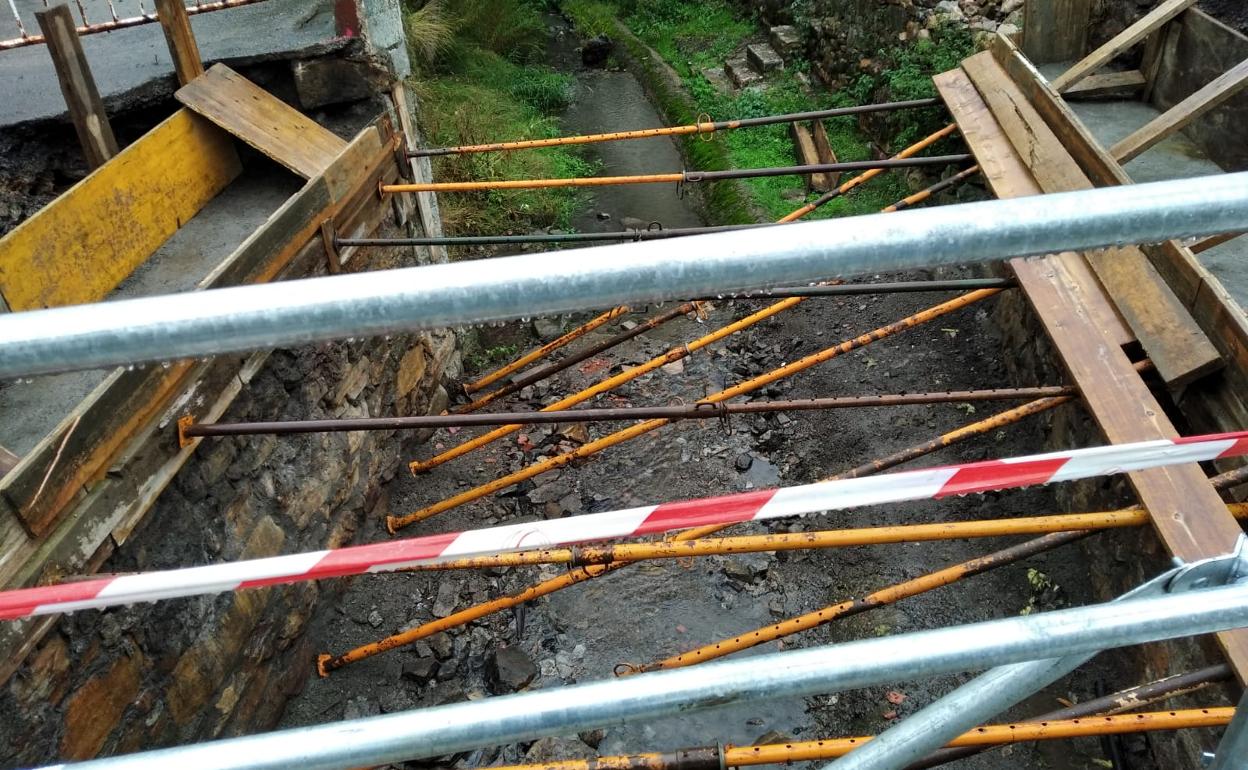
column 580, row 556
column 545, row 350
column 869, row 175
column 683, row 177
column 420, row 466
column 699, row 411
column 850, row 607
column 701, row 127
column 569, row 361
column 748, row 386
column 987, row 736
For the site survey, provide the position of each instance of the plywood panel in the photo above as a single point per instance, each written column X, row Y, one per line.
column 79, row 247
column 262, row 120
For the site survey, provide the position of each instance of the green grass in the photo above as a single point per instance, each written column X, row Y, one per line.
column 694, row 36
column 484, row 87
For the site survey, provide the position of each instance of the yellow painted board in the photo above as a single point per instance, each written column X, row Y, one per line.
column 80, row 246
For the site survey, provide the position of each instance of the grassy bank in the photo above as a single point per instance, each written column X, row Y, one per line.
column 694, row 36
column 479, row 79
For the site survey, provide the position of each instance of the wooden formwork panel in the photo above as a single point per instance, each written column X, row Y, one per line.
column 262, row 120
column 80, row 246
column 1187, row 513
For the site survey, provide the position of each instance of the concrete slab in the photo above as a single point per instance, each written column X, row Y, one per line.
column 30, row 409
column 132, row 65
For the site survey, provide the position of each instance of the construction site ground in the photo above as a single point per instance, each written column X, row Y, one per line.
column 649, row 611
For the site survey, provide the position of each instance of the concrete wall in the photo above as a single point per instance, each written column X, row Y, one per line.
column 1202, row 50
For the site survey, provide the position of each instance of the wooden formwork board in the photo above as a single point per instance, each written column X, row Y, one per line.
column 1186, row 511
column 261, row 120
column 80, row 246
column 1178, row 347
column 130, row 403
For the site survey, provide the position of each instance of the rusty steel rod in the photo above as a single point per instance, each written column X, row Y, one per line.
column 327, row 663
column 698, row 411
column 580, row 556
column 883, row 597
column 544, row 350
column 504, row 240
column 1119, row 702
column 573, row 359
column 846, row 186
column 420, row 466
column 683, row 177
column 859, row 289
column 972, row 742
column 132, row 21
column 395, row 522
column 941, row 186
column 701, row 127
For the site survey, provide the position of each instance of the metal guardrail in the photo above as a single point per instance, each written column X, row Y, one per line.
column 167, row 328
column 115, row 22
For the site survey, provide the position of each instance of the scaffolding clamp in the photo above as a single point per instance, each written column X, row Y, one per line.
column 184, row 422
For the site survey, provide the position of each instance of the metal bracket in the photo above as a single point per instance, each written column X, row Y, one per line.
column 1206, row 573
column 184, row 422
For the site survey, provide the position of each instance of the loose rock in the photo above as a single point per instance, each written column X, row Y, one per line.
column 510, row 670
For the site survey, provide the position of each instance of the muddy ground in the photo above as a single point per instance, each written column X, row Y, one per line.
column 653, row 610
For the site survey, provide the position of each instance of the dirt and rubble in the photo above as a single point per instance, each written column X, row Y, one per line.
column 652, row 610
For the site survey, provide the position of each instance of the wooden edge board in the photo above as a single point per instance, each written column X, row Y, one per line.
column 127, row 399
column 79, row 247
column 1133, row 34
column 1109, row 84
column 1178, row 347
column 118, row 504
column 262, row 121
column 1186, row 511
column 1207, row 98
column 1009, row 177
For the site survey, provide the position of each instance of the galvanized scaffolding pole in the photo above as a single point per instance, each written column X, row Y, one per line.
column 155, row 329
column 559, row 711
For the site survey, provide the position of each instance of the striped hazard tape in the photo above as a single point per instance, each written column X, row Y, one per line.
column 931, row 483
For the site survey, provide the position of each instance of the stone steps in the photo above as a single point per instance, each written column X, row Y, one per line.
column 760, row 59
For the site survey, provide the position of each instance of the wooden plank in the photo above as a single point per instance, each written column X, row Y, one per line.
column 1185, row 509
column 1056, row 30
column 79, row 247
column 86, row 109
column 262, row 120
column 1149, row 23
column 86, row 442
column 824, row 151
column 1182, row 114
column 1212, row 241
column 808, row 155
column 1178, row 347
column 182, row 46
column 1009, row 177
column 1110, row 84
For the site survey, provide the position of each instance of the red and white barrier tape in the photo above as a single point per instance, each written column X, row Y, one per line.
column 932, row 483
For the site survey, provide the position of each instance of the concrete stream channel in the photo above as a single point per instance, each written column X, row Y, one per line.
column 653, row 610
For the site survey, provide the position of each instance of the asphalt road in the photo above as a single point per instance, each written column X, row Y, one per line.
column 132, row 65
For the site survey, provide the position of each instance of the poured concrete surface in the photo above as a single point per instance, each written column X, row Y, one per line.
column 30, row 409
column 132, row 65
column 1178, row 157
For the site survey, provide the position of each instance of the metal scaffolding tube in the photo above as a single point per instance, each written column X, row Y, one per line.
column 698, row 411
column 504, row 240
column 559, row 711
column 1000, row 688
column 165, row 328
column 1232, row 753
column 701, row 127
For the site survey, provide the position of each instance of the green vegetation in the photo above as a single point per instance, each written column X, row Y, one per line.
column 695, row 36
column 492, row 357
column 478, row 81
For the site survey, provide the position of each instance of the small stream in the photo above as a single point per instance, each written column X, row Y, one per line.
column 645, row 613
